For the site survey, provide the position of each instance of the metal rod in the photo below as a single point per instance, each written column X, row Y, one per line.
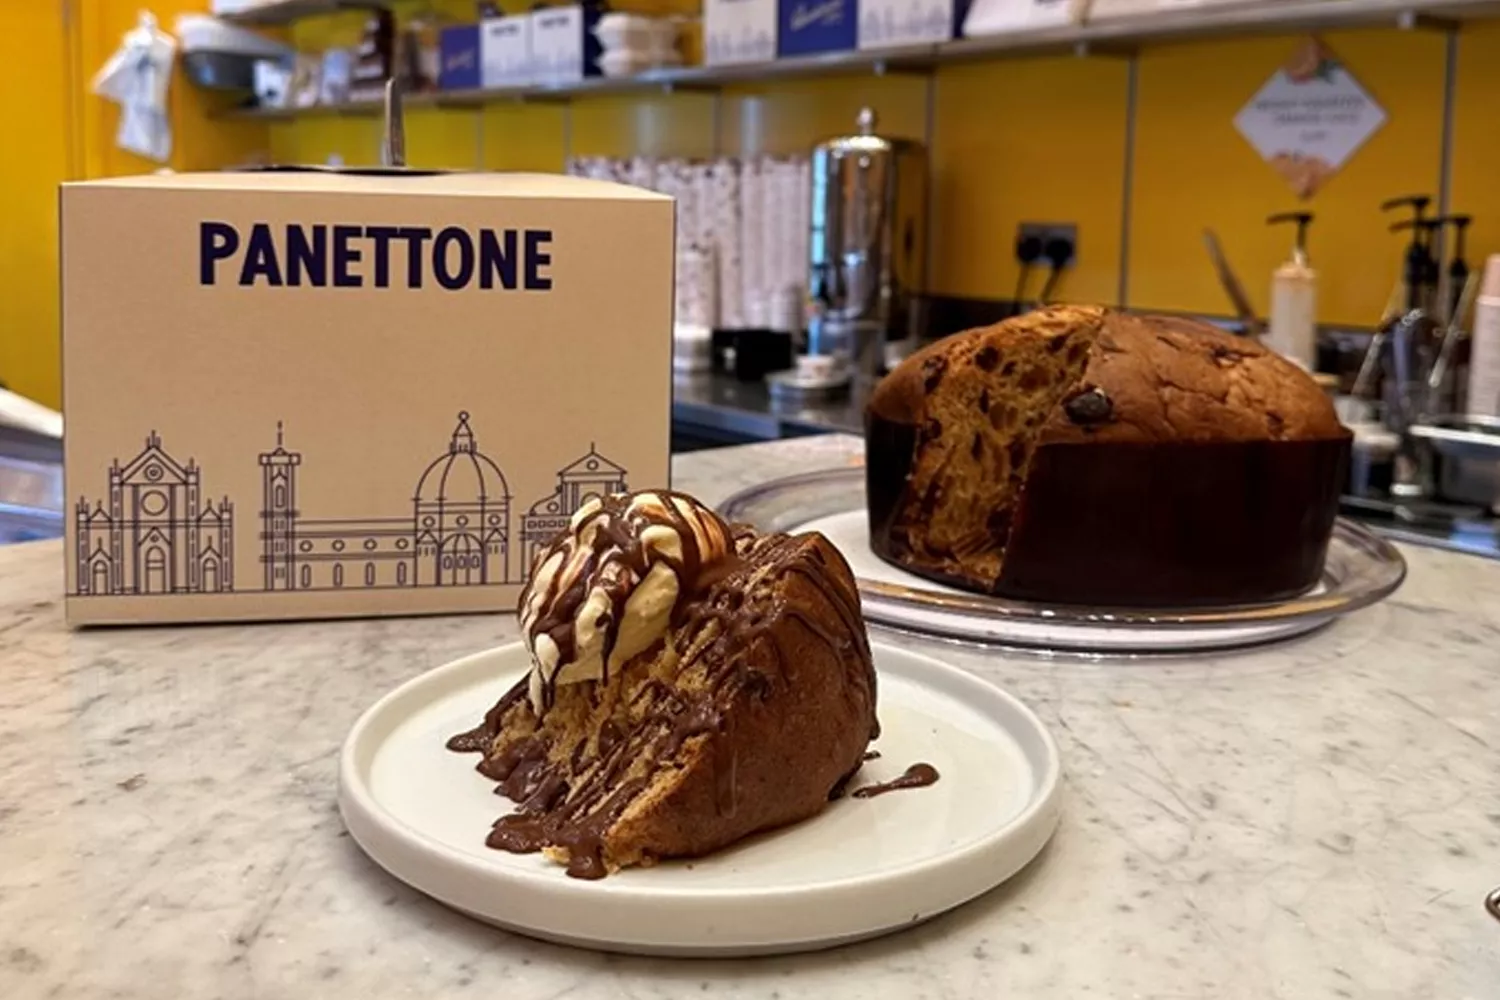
column 393, row 141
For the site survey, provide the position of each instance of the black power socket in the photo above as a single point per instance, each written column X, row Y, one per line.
column 1052, row 243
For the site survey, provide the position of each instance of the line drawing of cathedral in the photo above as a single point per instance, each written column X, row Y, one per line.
column 457, row 535
column 590, row 476
column 154, row 534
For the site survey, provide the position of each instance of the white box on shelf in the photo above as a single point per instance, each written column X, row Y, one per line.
column 563, row 46
column 1103, row 10
column 998, row 17
column 887, row 23
column 505, row 51
column 739, row 31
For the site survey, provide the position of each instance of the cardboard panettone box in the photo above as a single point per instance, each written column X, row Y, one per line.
column 305, row 394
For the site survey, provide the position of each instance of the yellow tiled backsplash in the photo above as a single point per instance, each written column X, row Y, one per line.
column 1057, row 139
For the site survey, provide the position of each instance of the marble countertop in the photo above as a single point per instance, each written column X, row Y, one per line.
column 1319, row 819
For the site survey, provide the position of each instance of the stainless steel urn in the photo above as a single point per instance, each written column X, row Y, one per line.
column 867, row 248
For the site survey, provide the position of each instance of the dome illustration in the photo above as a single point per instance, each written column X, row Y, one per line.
column 464, row 474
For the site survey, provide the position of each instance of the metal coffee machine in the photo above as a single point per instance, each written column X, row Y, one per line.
column 867, row 251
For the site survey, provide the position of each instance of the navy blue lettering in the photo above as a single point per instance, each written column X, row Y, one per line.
column 503, row 258
column 216, row 241
column 260, row 257
column 452, row 236
column 537, row 258
column 382, row 235
column 307, row 257
column 344, row 255
column 414, row 236
column 495, row 259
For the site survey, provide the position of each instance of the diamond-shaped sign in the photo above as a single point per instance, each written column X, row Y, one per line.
column 1309, row 118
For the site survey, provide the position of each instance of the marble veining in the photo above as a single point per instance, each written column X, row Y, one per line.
column 1317, row 819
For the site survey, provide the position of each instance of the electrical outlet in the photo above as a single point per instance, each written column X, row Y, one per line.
column 1033, row 234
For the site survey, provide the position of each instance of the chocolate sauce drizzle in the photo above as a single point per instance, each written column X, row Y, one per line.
column 917, row 776
column 617, row 561
column 570, row 800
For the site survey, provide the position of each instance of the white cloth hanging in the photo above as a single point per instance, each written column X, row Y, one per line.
column 136, row 78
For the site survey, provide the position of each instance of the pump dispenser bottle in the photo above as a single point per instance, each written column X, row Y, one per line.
column 1294, row 299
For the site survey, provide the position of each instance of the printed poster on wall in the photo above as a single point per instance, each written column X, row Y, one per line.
column 1310, row 118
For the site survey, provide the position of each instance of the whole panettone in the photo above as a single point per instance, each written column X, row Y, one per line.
column 1081, row 455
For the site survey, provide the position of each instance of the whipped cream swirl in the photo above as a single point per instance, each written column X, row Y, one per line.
column 606, row 589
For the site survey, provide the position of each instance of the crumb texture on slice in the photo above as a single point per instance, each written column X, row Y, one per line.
column 977, row 404
column 750, row 711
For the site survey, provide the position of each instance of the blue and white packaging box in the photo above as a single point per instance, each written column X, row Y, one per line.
column 505, row 51
column 890, row 23
column 811, row 27
column 458, row 49
column 563, row 46
column 739, row 31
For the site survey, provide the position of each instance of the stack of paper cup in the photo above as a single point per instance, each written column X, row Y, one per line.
column 786, row 310
column 753, row 244
column 1484, row 356
column 787, row 243
column 804, row 212
column 696, row 305
column 597, row 167
column 724, row 209
column 641, row 171
column 749, row 218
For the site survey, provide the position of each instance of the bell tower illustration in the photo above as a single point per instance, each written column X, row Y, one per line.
column 278, row 514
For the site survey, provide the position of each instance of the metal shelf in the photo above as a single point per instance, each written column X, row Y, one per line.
column 1263, row 17
column 282, row 12
column 1250, row 18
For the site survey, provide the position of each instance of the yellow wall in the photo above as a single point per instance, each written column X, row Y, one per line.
column 1041, row 139
column 523, row 137
column 1002, row 156
column 60, row 131
column 1045, row 139
column 1476, row 130
column 199, row 141
column 35, row 40
column 1193, row 169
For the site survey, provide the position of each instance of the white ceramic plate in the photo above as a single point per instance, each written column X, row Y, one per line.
column 861, row 868
column 1360, row 569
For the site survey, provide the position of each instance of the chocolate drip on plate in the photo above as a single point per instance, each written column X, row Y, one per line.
column 916, row 776
column 482, row 737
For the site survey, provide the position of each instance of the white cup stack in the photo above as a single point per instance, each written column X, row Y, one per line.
column 753, row 244
column 635, row 43
column 724, row 212
column 1484, row 359
column 741, row 235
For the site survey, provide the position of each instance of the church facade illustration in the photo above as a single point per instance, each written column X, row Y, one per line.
column 590, row 476
column 154, row 533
